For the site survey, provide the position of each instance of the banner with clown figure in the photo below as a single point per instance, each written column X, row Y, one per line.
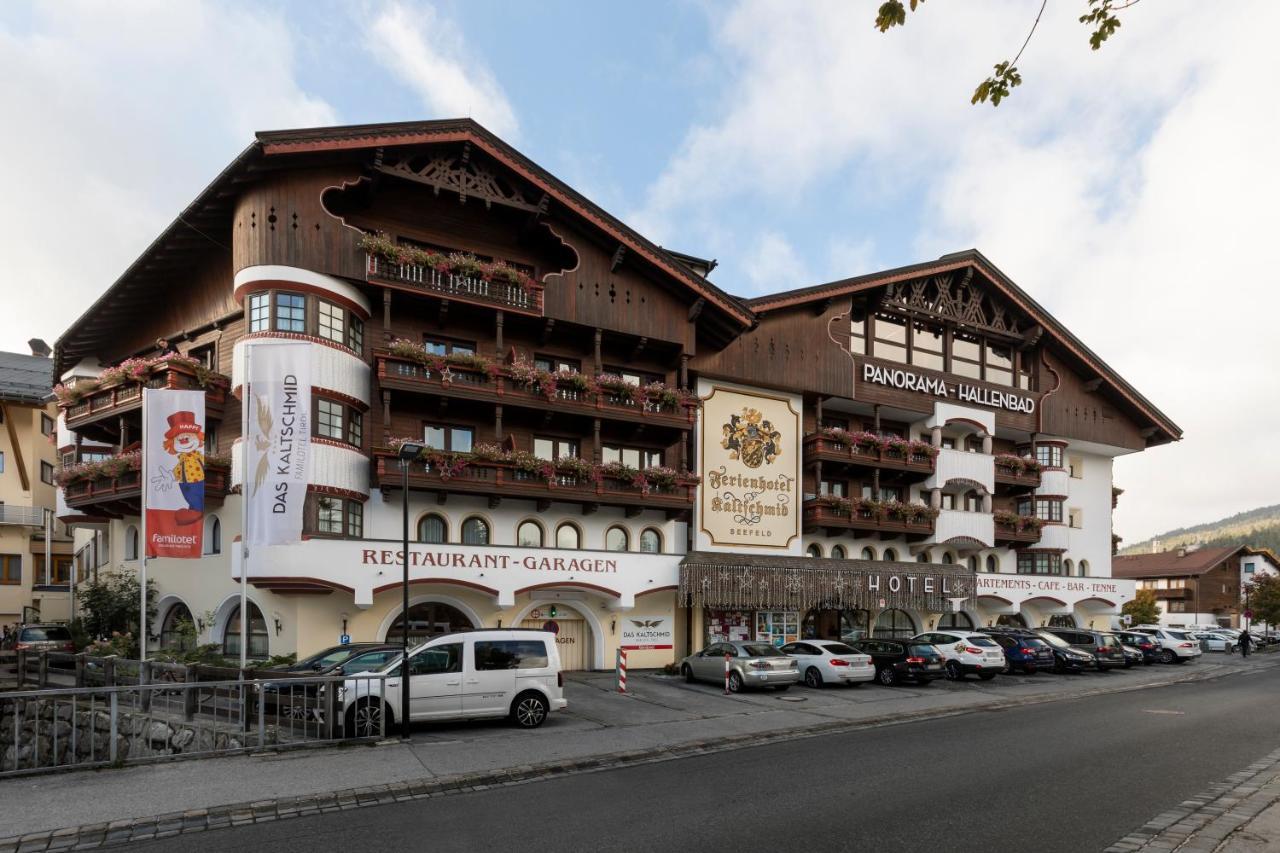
column 173, row 468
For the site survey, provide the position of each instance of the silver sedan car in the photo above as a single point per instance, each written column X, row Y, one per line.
column 751, row 664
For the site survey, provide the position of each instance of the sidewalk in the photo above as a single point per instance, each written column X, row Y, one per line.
column 661, row 718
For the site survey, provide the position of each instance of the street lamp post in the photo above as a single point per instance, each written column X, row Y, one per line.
column 408, row 452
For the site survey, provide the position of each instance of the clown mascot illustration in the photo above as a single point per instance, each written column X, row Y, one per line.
column 185, row 440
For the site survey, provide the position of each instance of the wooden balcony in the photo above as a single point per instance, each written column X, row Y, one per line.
column 105, row 404
column 495, row 294
column 1178, row 594
column 498, row 480
column 1016, row 533
column 821, row 448
column 113, row 497
column 475, row 384
column 818, row 514
column 1009, row 474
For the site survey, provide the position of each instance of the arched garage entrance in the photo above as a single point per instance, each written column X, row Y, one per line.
column 574, row 627
column 428, row 619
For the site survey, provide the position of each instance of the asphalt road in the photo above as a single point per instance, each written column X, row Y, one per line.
column 1065, row 776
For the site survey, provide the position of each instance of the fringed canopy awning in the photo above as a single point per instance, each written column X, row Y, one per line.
column 749, row 582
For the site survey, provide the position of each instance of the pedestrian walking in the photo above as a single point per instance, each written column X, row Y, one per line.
column 1245, row 642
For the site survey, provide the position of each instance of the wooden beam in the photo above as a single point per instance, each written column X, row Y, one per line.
column 1031, row 337
column 633, row 511
column 821, row 307
column 618, row 255
column 12, row 428
column 543, row 504
column 546, row 331
column 1093, row 384
column 695, row 310
column 640, row 345
column 590, row 508
column 444, row 312
column 494, row 501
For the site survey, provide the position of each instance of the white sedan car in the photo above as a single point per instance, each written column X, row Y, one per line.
column 830, row 662
column 1214, row 641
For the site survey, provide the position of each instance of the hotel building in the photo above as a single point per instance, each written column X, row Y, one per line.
column 616, row 445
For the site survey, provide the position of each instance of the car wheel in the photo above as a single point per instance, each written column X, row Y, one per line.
column 529, row 710
column 812, row 678
column 364, row 719
column 687, row 672
column 735, row 682
column 1168, row 656
column 986, row 676
column 887, row 676
column 954, row 673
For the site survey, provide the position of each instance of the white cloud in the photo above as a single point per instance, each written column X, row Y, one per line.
column 427, row 52
column 1129, row 190
column 116, row 116
column 773, row 264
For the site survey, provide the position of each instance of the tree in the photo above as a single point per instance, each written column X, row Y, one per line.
column 1100, row 16
column 1143, row 608
column 109, row 605
column 1264, row 598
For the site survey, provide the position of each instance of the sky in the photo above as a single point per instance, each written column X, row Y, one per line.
column 1131, row 190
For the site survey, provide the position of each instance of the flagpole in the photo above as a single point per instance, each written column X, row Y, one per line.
column 142, row 483
column 245, row 401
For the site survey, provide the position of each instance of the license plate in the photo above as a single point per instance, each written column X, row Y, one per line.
column 934, row 666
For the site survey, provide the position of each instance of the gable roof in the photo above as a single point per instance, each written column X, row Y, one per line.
column 1019, row 297
column 25, row 378
column 1170, row 564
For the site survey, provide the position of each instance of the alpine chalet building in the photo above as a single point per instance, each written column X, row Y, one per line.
column 613, row 444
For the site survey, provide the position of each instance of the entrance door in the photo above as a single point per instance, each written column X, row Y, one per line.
column 571, row 640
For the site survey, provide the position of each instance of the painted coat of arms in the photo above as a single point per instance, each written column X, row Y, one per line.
column 752, row 439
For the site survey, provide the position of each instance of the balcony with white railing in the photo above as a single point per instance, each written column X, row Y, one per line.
column 22, row 516
column 957, row 526
column 952, row 465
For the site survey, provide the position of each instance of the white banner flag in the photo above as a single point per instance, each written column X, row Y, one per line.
column 173, row 472
column 277, row 445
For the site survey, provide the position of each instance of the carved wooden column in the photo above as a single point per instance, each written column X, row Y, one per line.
column 124, row 433
column 684, row 371
column 497, row 423
column 386, row 316
column 386, row 417
column 817, row 414
column 599, row 363
column 684, row 450
column 498, row 319
column 595, row 438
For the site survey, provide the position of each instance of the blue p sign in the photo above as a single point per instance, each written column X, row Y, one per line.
column 346, row 638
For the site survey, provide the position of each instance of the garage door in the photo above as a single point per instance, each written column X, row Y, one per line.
column 571, row 639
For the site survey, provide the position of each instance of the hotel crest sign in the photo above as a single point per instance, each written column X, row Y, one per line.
column 750, row 463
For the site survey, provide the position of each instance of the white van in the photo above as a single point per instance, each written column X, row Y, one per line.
column 473, row 674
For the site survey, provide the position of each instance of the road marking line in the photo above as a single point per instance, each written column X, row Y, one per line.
column 1162, row 711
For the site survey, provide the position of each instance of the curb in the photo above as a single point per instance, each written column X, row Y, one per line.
column 98, row 835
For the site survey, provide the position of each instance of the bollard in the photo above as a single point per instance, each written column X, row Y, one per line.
column 726, row 674
column 622, row 671
column 43, row 675
column 22, row 668
column 80, row 667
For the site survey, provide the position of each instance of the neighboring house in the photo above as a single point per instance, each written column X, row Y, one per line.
column 1256, row 562
column 1193, row 585
column 34, row 574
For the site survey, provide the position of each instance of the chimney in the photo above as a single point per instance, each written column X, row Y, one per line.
column 39, row 348
column 1155, row 546
column 1182, row 552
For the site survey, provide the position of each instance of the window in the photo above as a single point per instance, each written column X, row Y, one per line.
column 10, row 569
column 330, row 519
column 966, row 355
column 1045, row 509
column 948, row 501
column 433, row 530
column 329, row 417
column 555, row 448
column 291, row 312
column 355, row 333
column 355, row 520
column 894, row 623
column 1076, row 466
column 838, row 488
column 555, row 364
column 868, row 553
column 131, row 543
column 355, row 428
column 1250, row 568
column 442, row 346
column 1068, row 567
column 955, row 620
column 924, row 557
column 1084, row 568
column 258, row 639
column 47, row 424
column 176, row 631
column 650, row 541
column 948, row 559
column 890, row 338
column 972, row 501
column 428, row 619
column 1049, row 455
column 890, row 555
column 333, row 322
column 453, row 438
column 1039, row 563
column 834, row 423
column 973, row 563
column 511, row 654
column 568, row 536
column 635, row 377
column 1177, row 606
column 999, row 369
column 475, row 531
column 1, row 461
column 633, row 457
column 259, row 312
column 813, row 551
column 437, row 660
column 617, row 539
column 927, row 346
column 887, row 493
column 1073, row 518
column 838, row 552
column 529, row 534
column 46, row 473
column 858, row 336
column 993, row 565
column 339, row 517
column 213, row 535
column 206, row 355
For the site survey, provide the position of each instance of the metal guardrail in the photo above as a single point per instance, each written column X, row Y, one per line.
column 26, row 516
column 150, row 711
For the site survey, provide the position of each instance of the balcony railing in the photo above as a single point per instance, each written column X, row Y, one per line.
column 474, row 383
column 819, row 512
column 501, row 479
column 1178, row 593
column 122, row 494
column 1014, row 472
column 1016, row 531
column 24, row 516
column 126, row 396
column 826, row 449
column 500, row 294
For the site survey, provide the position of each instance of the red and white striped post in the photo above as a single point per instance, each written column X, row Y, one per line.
column 726, row 674
column 622, row 671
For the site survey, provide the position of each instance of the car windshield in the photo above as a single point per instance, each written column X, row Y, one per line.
column 1055, row 640
column 325, row 659
column 761, row 650
column 980, row 641
column 54, row 633
column 923, row 651
column 1107, row 640
column 839, row 649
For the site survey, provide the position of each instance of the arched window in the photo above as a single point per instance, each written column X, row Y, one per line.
column 475, row 531
column 868, row 553
column 433, row 529
column 894, row 623
column 924, row 557
column 529, row 534
column 258, row 640
column 1068, row 568
column 212, row 535
column 177, row 632
column 948, row 559
column 973, row 563
column 1062, row 621
column 568, row 536
column 650, row 541
column 131, row 543
column 1012, row 620
column 855, row 625
column 890, row 555
column 838, row 552
column 955, row 620
column 813, row 551
column 428, row 619
column 617, row 539
column 993, row 565
column 1084, row 568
